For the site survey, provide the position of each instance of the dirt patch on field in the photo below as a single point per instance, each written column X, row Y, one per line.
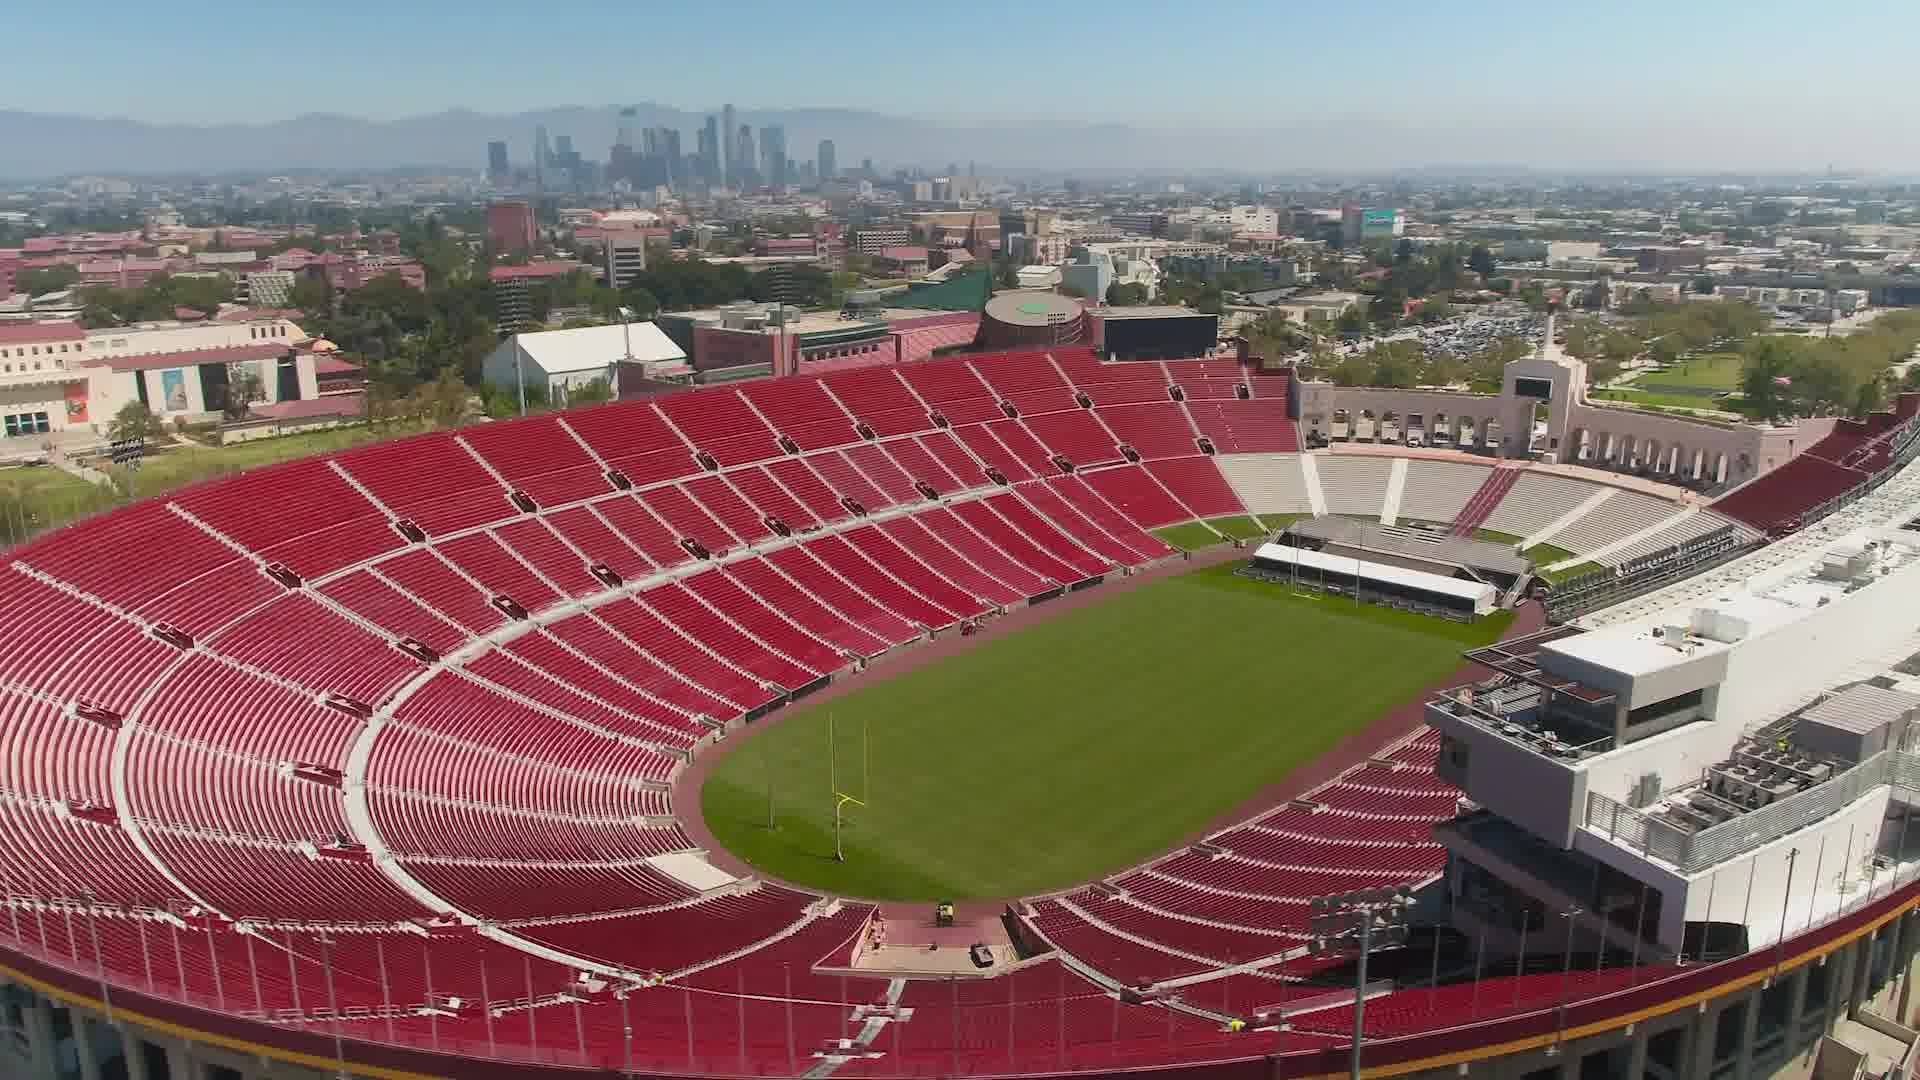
column 1350, row 751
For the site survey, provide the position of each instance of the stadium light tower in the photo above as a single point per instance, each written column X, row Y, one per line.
column 1353, row 924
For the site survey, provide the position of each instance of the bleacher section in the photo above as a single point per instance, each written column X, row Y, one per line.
column 1536, row 501
column 1683, row 529
column 1355, row 484
column 1268, row 483
column 1778, row 500
column 1246, row 427
column 1439, row 490
column 1618, row 517
column 1493, row 489
column 1852, row 458
column 1620, row 527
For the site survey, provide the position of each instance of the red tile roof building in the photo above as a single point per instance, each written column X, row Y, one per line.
column 510, row 227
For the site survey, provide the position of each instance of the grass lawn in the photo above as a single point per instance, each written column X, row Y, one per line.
column 1238, row 528
column 1717, row 372
column 178, row 466
column 1279, row 522
column 1193, row 536
column 36, row 498
column 1493, row 536
column 1189, row 537
column 1572, row 571
column 1547, row 554
column 1659, row 400
column 1076, row 747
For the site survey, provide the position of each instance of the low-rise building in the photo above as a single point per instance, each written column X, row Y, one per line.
column 1318, row 307
column 624, row 256
column 1038, row 277
column 560, row 361
column 907, row 260
column 870, row 241
column 512, row 300
column 744, row 340
column 268, row 288
column 184, row 370
column 42, row 386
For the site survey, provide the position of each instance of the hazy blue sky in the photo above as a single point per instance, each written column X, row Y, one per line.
column 1656, row 75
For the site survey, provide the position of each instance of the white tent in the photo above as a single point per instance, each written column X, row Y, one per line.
column 558, row 359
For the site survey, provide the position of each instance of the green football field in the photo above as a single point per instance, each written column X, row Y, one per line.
column 1075, row 747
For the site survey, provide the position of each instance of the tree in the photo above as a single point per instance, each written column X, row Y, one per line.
column 1395, row 363
column 135, row 421
column 1480, row 260
column 1072, row 290
column 444, row 400
column 1126, row 294
column 1352, row 369
column 51, row 279
column 313, row 296
column 1272, row 335
column 1388, row 307
column 1436, row 309
column 1703, row 284
column 243, row 389
column 638, row 300
column 1769, row 364
column 597, row 392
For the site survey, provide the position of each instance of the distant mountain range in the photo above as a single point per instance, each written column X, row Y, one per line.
column 37, row 145
column 42, row 144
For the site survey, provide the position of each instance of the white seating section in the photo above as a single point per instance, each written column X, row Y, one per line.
column 1681, row 528
column 1268, row 483
column 1537, row 501
column 1606, row 524
column 1355, row 485
column 1615, row 519
column 1438, row 491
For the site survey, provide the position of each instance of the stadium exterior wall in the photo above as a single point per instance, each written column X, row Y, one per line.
column 1693, row 999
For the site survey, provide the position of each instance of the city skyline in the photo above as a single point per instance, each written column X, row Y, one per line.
column 1478, row 82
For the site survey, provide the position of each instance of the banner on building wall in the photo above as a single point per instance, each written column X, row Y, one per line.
column 76, row 395
column 173, row 390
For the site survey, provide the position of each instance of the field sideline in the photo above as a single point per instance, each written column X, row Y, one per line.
column 1075, row 747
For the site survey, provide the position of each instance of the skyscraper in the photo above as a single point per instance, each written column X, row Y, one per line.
column 825, row 158
column 623, row 135
column 711, row 168
column 670, row 147
column 541, row 152
column 773, row 155
column 729, row 149
column 660, row 157
column 743, row 156
column 497, row 161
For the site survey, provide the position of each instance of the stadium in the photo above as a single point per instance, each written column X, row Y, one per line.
column 901, row 721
